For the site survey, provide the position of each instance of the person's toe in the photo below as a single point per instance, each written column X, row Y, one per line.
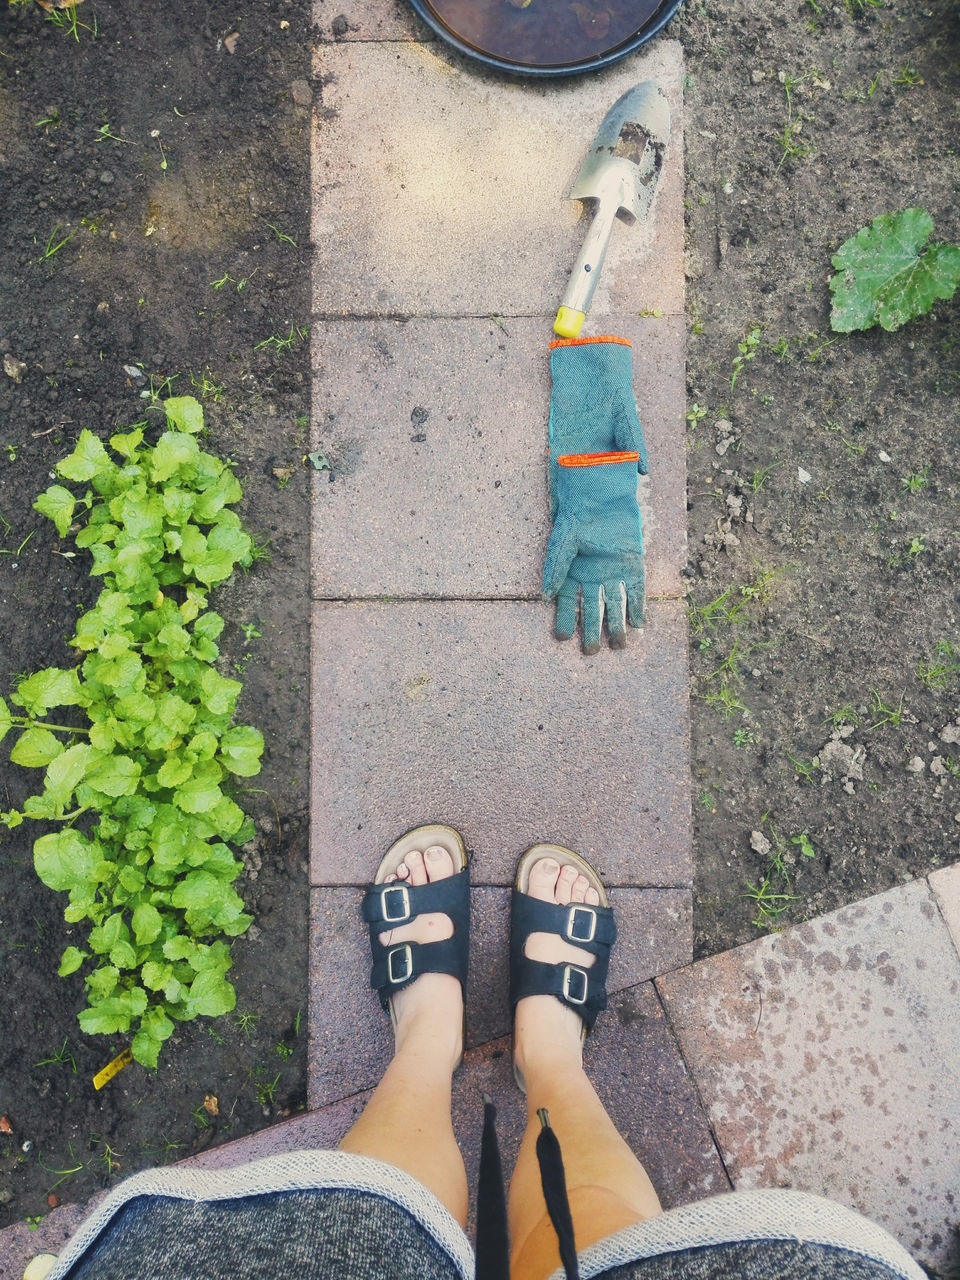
column 592, row 898
column 543, row 879
column 565, row 883
column 418, row 872
column 579, row 891
column 437, row 862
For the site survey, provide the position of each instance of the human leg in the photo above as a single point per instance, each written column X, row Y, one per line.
column 407, row 1122
column 607, row 1186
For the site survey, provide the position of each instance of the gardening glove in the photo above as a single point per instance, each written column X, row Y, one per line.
column 596, row 547
column 592, row 409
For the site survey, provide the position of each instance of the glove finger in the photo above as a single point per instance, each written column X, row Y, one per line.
column 636, row 600
column 561, row 549
column 628, row 433
column 616, row 598
column 592, row 616
column 568, row 601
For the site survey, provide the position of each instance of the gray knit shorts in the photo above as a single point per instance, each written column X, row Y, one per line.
column 337, row 1216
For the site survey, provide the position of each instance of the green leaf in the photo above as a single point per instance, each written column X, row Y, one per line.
column 210, row 994
column 57, row 503
column 198, row 889
column 224, row 490
column 51, row 687
column 173, row 771
column 885, row 276
column 201, row 791
column 6, row 719
column 241, row 749
column 106, row 936
column 218, row 693
column 65, row 859
column 155, row 1028
column 87, row 459
column 114, row 1013
column 147, row 923
column 173, row 452
column 123, row 956
column 35, row 748
column 127, row 442
column 102, row 982
column 184, row 413
column 71, row 960
column 115, row 776
column 67, row 769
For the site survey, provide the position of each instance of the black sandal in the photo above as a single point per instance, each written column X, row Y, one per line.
column 591, row 928
column 388, row 906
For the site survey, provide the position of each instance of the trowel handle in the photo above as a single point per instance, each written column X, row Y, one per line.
column 583, row 278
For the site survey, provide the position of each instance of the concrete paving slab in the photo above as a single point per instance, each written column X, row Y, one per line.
column 338, row 20
column 946, row 887
column 350, row 1038
column 472, row 714
column 828, row 1058
column 18, row 1244
column 453, row 202
column 436, row 433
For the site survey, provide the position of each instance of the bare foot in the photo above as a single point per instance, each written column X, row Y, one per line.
column 432, row 1006
column 543, row 1026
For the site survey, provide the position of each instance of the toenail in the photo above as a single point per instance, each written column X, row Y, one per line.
column 549, row 867
column 434, row 855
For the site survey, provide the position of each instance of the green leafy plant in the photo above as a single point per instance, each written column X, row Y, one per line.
column 136, row 775
column 886, row 276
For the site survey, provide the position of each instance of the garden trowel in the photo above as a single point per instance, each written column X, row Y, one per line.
column 620, row 174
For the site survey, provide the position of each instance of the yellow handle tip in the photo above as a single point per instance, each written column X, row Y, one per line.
column 568, row 322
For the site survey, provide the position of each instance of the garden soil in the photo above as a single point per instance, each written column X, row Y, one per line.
column 171, row 146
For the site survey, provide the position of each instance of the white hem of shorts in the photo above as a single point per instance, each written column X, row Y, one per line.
column 295, row 1171
column 742, row 1216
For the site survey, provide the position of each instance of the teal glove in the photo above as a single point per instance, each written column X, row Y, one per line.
column 592, row 408
column 596, row 547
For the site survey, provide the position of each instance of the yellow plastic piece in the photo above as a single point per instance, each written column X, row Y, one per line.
column 111, row 1069
column 568, row 322
column 40, row 1266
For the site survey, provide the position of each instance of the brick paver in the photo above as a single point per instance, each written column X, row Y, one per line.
column 828, row 1058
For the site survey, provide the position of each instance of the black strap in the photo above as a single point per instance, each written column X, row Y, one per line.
column 493, row 1246
column 493, row 1249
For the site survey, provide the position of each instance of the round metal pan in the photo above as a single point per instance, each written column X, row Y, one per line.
column 546, row 37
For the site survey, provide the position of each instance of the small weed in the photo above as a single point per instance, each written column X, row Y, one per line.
column 109, row 1158
column 860, row 8
column 62, row 1174
column 201, row 1117
column 61, row 1055
column 282, row 345
column 224, row 279
column 106, row 134
column 158, row 391
column 908, row 76
column 759, row 477
column 725, row 701
column 246, row 1023
column 249, row 629
column 68, row 22
column 936, row 674
column 296, row 1023
column 843, row 715
column 780, row 348
column 695, row 413
column 804, row 844
column 791, row 146
column 745, row 737
column 708, row 801
column 918, row 544
column 267, row 1091
column 886, row 714
column 206, row 387
column 284, row 239
column 769, row 905
column 805, row 769
column 55, row 244
column 914, row 482
column 283, row 1050
column 33, row 1221
column 52, row 120
column 13, row 451
column 747, row 350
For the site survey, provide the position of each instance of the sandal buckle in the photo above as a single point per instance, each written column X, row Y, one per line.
column 574, row 984
column 406, row 963
column 400, row 894
column 575, row 931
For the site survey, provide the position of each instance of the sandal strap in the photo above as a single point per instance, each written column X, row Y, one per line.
column 392, row 905
column 590, row 928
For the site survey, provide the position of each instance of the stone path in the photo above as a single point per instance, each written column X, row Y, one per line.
column 825, row 1058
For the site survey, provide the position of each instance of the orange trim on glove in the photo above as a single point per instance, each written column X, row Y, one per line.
column 583, row 342
column 595, row 459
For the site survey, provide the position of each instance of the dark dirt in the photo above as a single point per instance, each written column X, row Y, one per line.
column 843, row 580
column 133, row 287
column 839, row 588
